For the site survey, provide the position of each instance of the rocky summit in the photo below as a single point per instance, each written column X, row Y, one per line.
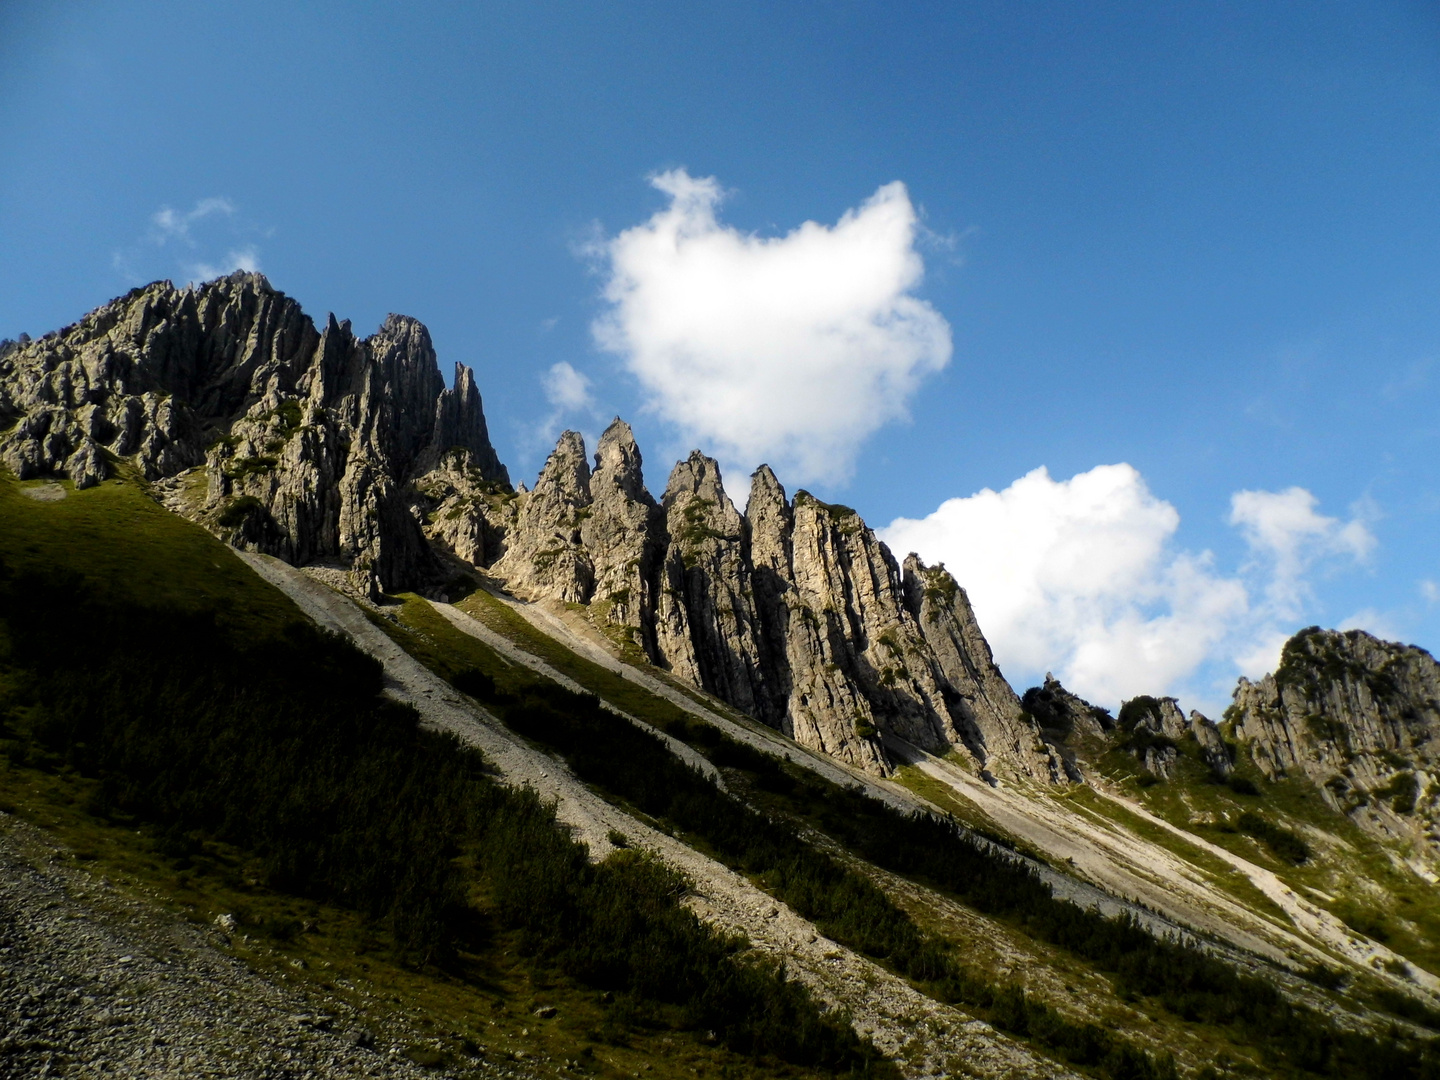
column 1360, row 718
column 285, row 439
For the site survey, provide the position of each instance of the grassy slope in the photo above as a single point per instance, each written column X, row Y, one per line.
column 1054, row 977
column 125, row 546
column 1348, row 872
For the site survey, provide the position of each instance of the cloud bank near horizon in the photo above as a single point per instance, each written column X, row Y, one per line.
column 789, row 349
column 1081, row 577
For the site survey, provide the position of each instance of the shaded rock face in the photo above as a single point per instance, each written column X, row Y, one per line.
column 706, row 625
column 792, row 612
column 1359, row 717
column 1074, row 728
column 1155, row 728
column 1064, row 714
column 1150, row 728
column 309, row 440
column 993, row 722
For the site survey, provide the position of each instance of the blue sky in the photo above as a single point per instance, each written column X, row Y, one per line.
column 1199, row 240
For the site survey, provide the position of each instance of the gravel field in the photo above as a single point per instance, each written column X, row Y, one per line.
column 94, row 983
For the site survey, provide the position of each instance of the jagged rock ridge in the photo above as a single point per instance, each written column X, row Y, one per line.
column 793, row 611
column 284, row 439
column 1149, row 728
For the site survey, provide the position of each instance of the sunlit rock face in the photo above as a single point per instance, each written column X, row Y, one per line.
column 1361, row 718
column 793, row 611
column 293, row 441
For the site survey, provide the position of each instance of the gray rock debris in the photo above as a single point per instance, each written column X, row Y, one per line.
column 95, row 984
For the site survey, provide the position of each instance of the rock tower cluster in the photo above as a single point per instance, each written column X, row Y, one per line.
column 792, row 611
column 292, row 441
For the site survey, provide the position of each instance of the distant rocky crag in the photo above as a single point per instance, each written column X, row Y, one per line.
column 1356, row 717
column 1152, row 730
column 284, row 439
column 1360, row 718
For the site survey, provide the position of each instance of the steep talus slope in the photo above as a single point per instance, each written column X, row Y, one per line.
column 308, row 439
column 883, row 1008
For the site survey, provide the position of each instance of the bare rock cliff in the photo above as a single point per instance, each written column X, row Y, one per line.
column 1359, row 717
column 793, row 612
column 283, row 439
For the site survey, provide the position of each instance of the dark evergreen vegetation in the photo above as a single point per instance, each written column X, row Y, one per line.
column 634, row 765
column 1186, row 980
column 1281, row 842
column 281, row 745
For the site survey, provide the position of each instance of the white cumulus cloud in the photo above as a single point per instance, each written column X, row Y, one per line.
column 1285, row 529
column 789, row 349
column 1082, row 577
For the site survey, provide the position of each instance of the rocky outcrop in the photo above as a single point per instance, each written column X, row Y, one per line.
column 1063, row 715
column 706, row 626
column 310, row 441
column 544, row 555
column 1214, row 750
column 792, row 612
column 620, row 535
column 1153, row 730
column 991, row 719
column 1359, row 717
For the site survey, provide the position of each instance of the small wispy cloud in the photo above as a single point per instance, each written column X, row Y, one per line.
column 246, row 258
column 1382, row 624
column 571, row 397
column 1430, row 591
column 171, row 224
column 567, row 389
column 208, row 240
column 1285, row 529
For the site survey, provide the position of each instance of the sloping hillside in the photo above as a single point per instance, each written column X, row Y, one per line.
column 629, row 782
